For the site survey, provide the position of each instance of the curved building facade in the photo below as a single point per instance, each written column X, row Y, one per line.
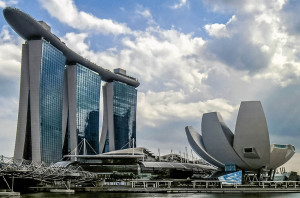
column 251, row 139
column 60, row 98
column 248, row 148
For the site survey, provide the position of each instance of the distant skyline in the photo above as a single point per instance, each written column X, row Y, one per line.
column 190, row 56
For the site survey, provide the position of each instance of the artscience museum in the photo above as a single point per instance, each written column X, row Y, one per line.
column 248, row 148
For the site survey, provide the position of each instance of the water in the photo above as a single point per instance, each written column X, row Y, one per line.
column 158, row 195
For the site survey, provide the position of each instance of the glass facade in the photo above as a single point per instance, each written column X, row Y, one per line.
column 48, row 113
column 51, row 97
column 283, row 146
column 124, row 109
column 230, row 167
column 88, row 86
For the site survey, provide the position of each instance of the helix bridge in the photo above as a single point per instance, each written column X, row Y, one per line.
column 55, row 173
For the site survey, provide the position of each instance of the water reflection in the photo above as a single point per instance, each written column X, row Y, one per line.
column 154, row 195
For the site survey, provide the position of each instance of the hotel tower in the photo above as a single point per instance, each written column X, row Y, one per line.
column 60, row 98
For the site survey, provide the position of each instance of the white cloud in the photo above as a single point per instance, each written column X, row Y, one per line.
column 219, row 30
column 246, row 6
column 4, row 4
column 9, row 107
column 155, row 108
column 8, row 123
column 180, row 4
column 10, row 57
column 76, row 42
column 152, row 55
column 256, row 40
column 146, row 14
column 10, row 54
column 67, row 12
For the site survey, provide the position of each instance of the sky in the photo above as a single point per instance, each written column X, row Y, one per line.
column 190, row 56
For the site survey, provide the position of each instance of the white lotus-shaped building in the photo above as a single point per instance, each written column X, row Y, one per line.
column 248, row 148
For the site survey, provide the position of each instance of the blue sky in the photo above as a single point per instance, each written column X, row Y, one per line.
column 190, row 56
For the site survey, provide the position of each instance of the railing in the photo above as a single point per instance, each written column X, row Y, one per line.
column 276, row 184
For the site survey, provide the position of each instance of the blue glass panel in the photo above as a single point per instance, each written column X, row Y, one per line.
column 124, row 107
column 283, row 146
column 51, row 92
column 88, row 84
column 231, row 178
column 230, row 167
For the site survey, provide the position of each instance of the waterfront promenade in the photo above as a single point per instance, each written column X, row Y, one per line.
column 56, row 178
column 195, row 186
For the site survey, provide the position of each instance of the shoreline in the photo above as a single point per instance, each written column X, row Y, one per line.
column 118, row 189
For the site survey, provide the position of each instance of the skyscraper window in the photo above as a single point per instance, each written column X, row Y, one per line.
column 51, row 92
column 119, row 121
column 87, row 107
column 124, row 109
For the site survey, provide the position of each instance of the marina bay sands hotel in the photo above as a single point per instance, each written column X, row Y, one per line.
column 60, row 98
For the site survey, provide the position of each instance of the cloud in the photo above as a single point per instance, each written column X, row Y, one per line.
column 146, row 14
column 10, row 57
column 67, row 12
column 4, row 4
column 8, row 123
column 152, row 54
column 180, row 4
column 256, row 40
column 9, row 108
column 10, row 54
column 247, row 6
column 160, row 107
column 219, row 30
column 76, row 42
column 10, row 65
column 282, row 113
column 289, row 15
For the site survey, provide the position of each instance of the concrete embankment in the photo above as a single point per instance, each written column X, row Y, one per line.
column 7, row 194
column 126, row 189
column 192, row 190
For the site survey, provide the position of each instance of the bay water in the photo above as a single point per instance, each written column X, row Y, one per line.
column 159, row 195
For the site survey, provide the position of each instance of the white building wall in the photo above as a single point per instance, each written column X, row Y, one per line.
column 23, row 104
column 35, row 54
